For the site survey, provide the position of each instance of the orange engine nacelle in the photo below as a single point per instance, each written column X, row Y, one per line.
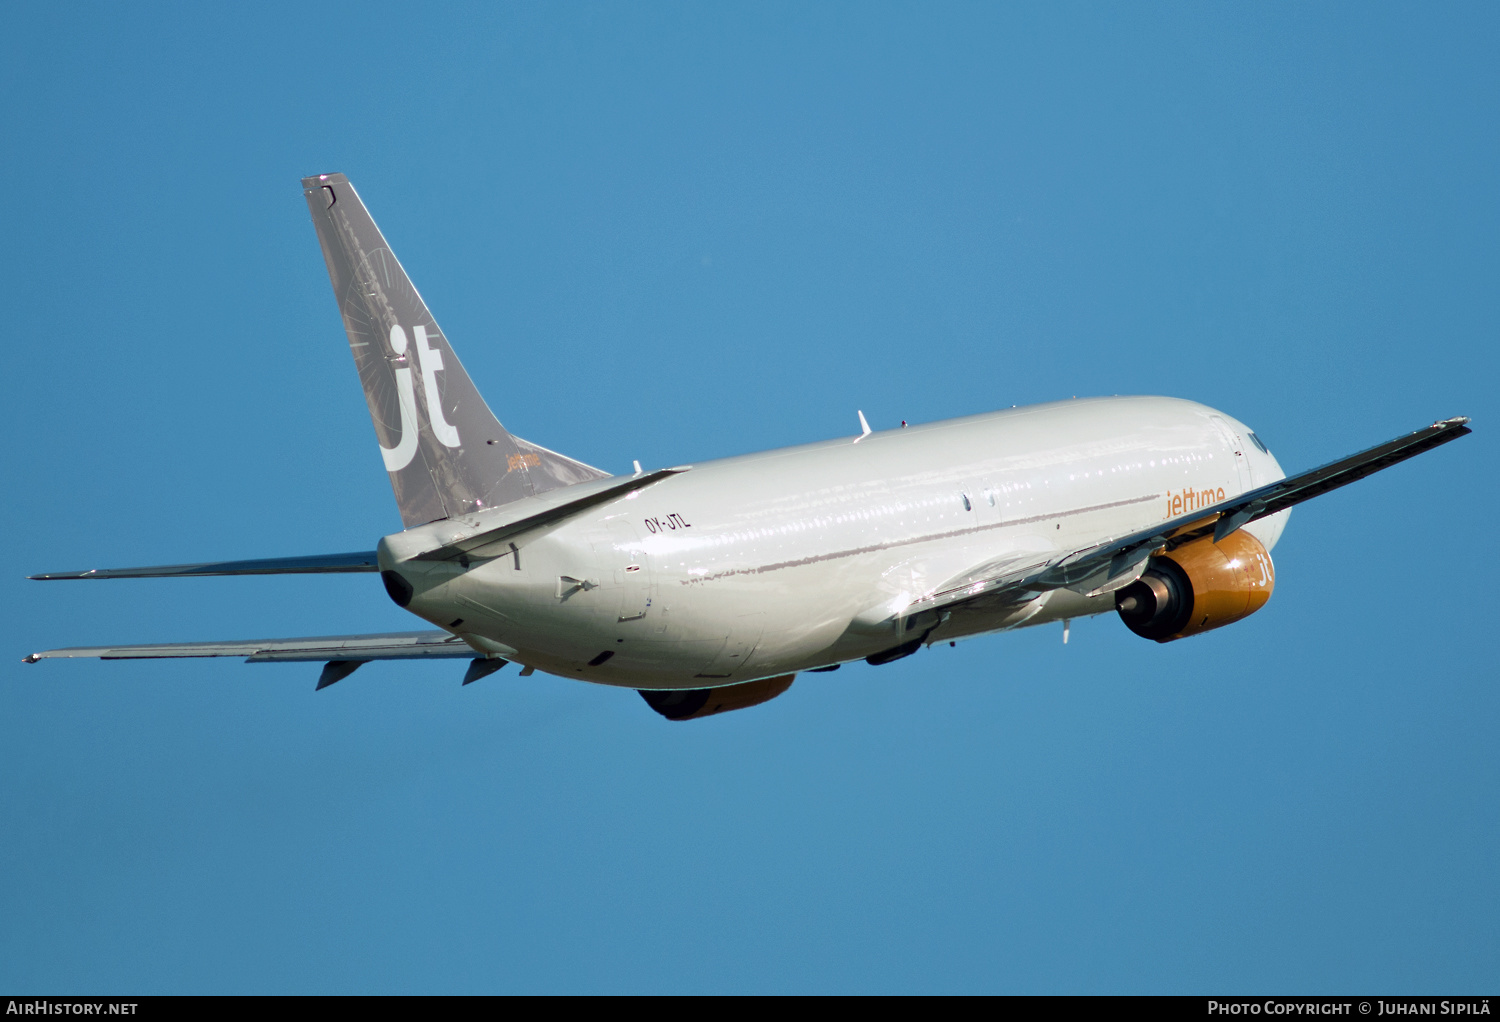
column 692, row 703
column 1199, row 586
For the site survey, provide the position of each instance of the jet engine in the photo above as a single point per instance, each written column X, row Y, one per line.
column 1197, row 587
column 691, row 703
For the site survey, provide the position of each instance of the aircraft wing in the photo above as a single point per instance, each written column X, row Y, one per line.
column 1117, row 562
column 387, row 646
column 341, row 654
column 317, row 564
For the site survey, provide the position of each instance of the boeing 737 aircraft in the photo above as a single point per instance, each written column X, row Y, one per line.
column 708, row 587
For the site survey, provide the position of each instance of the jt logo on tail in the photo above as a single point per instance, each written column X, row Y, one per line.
column 431, row 360
column 427, row 390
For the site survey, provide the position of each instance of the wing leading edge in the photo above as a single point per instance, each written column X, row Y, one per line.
column 1115, row 563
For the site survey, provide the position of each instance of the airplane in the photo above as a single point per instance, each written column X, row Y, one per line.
column 709, row 587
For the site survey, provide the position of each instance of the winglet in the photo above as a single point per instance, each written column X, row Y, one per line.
column 864, row 428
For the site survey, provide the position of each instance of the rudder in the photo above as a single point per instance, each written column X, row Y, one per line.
column 445, row 451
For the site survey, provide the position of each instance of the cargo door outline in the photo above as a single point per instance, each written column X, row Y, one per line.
column 1237, row 446
column 632, row 570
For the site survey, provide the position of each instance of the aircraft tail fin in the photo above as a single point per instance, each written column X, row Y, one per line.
column 446, row 452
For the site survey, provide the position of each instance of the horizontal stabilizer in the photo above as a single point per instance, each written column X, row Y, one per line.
column 318, row 564
column 389, row 646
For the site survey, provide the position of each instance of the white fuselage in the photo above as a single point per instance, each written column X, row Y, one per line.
column 770, row 563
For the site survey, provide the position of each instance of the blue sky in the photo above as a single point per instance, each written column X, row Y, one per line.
column 672, row 232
